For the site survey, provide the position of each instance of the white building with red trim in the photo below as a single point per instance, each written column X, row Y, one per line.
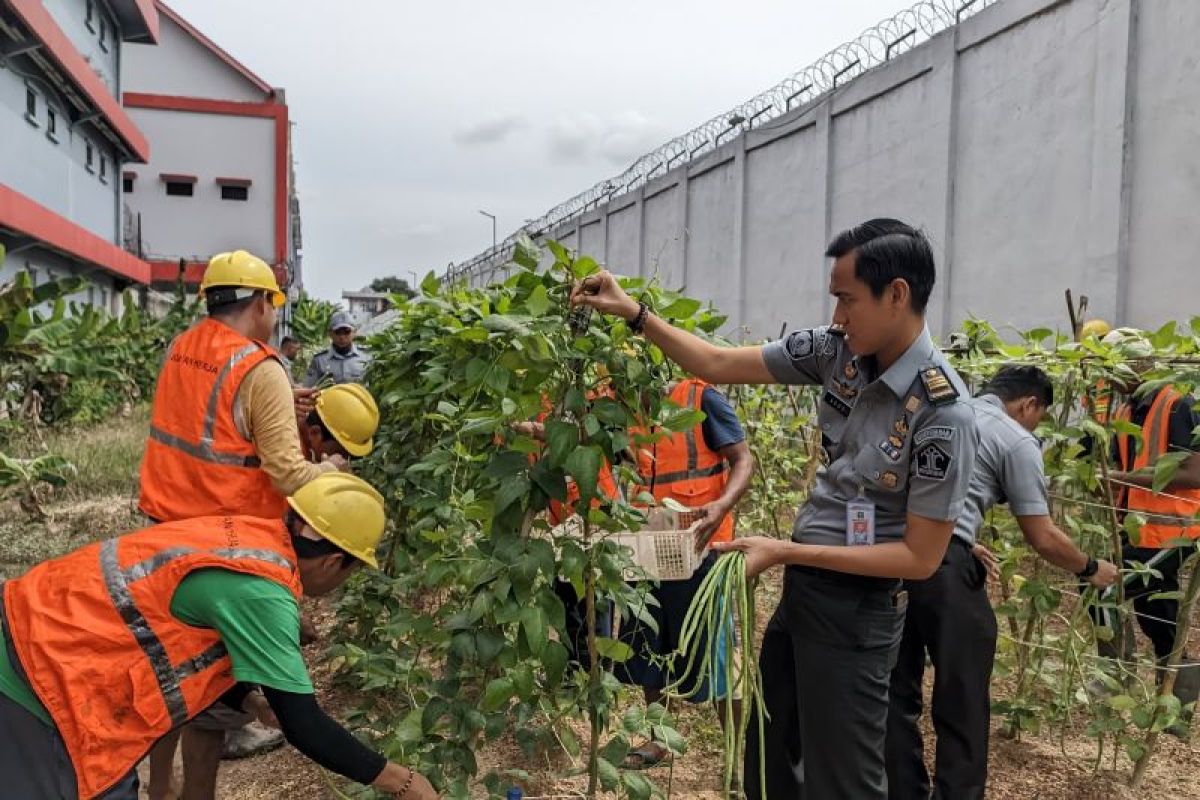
column 66, row 140
column 219, row 175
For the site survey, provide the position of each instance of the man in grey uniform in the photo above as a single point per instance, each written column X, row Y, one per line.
column 949, row 615
column 882, row 509
column 342, row 361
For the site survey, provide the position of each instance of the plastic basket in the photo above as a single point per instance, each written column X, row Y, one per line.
column 661, row 555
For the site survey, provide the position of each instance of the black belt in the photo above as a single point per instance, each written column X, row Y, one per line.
column 863, row 582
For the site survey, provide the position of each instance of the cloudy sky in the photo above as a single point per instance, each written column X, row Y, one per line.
column 411, row 117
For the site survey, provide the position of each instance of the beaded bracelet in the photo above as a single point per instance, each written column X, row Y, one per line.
column 638, row 323
column 408, row 783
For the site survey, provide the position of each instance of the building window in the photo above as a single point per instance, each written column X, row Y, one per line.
column 31, row 107
column 235, row 188
column 33, row 273
column 103, row 169
column 179, row 185
column 91, row 158
column 91, row 15
column 127, row 185
column 51, row 124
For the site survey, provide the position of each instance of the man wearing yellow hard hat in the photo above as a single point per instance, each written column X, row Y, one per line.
column 343, row 423
column 223, row 436
column 108, row 648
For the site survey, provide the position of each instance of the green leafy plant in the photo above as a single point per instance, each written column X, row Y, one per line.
column 464, row 636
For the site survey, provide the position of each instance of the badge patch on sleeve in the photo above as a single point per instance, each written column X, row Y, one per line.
column 800, row 344
column 934, row 432
column 933, row 462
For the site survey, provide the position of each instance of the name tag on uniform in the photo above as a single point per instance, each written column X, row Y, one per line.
column 860, row 522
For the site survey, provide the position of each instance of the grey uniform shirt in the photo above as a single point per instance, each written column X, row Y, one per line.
column 330, row 364
column 882, row 433
column 1008, row 468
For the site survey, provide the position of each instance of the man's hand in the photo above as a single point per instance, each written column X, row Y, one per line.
column 338, row 460
column 709, row 519
column 534, row 430
column 257, row 705
column 394, row 777
column 601, row 292
column 761, row 552
column 305, row 400
column 988, row 559
column 1106, row 574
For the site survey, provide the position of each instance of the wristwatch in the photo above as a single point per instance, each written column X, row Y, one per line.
column 1089, row 569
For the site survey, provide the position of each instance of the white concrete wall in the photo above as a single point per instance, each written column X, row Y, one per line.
column 102, row 290
column 207, row 146
column 71, row 16
column 54, row 173
column 1042, row 144
column 179, row 65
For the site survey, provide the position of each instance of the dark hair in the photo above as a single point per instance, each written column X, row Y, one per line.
column 887, row 249
column 222, row 301
column 313, row 548
column 1015, row 381
column 314, row 418
column 285, row 341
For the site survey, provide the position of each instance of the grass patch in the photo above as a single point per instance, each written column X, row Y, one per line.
column 100, row 501
column 106, row 456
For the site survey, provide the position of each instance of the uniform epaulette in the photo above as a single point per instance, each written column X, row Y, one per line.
column 938, row 387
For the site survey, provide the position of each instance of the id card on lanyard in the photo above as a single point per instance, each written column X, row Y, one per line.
column 860, row 521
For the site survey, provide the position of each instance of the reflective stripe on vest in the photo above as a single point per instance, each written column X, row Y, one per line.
column 1169, row 515
column 689, row 437
column 203, row 449
column 169, row 676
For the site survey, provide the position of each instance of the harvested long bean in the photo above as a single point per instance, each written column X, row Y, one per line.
column 724, row 595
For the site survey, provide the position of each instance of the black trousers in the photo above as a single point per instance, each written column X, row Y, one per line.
column 950, row 618
column 826, row 657
column 1156, row 617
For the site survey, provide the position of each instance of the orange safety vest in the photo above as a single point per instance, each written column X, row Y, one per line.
column 95, row 636
column 196, row 463
column 1168, row 515
column 683, row 467
column 1101, row 406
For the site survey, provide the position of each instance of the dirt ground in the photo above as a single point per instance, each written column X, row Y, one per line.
column 101, row 504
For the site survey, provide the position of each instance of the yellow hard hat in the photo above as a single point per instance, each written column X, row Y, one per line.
column 241, row 270
column 349, row 412
column 1094, row 327
column 344, row 509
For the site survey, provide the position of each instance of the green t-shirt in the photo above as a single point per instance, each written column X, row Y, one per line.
column 259, row 623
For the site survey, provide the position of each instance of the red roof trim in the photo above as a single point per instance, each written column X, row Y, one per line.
column 35, row 17
column 191, row 30
column 174, row 177
column 24, row 215
column 150, row 14
column 164, row 271
column 234, row 182
column 200, row 105
column 129, row 175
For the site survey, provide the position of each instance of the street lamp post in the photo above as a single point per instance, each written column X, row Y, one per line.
column 492, row 217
